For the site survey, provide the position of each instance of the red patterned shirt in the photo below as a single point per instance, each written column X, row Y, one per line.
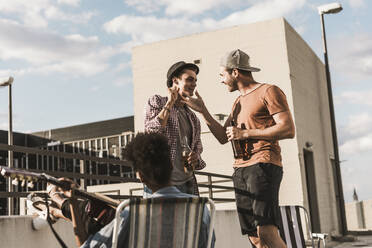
column 152, row 124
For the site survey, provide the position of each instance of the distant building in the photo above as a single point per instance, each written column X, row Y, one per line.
column 101, row 139
column 355, row 195
column 359, row 214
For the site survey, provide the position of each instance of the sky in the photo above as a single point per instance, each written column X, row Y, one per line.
column 71, row 60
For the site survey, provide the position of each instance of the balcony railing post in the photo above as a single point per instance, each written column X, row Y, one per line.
column 210, row 187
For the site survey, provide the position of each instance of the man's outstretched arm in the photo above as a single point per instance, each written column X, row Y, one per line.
column 214, row 126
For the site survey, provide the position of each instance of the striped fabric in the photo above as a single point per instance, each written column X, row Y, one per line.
column 291, row 229
column 165, row 222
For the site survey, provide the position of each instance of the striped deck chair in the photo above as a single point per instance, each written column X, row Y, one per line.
column 292, row 230
column 164, row 222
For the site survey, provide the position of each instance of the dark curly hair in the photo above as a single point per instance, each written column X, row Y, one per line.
column 150, row 155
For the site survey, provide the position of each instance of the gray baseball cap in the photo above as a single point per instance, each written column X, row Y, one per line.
column 237, row 59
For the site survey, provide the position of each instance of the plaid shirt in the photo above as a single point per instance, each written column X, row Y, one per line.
column 152, row 124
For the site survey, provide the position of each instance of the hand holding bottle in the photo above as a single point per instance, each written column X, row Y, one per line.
column 237, row 149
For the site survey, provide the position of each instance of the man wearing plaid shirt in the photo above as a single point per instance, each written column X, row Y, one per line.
column 170, row 116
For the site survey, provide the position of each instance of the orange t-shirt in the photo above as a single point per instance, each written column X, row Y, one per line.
column 254, row 110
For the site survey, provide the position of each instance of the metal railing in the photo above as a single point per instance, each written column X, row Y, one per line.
column 81, row 176
column 210, row 184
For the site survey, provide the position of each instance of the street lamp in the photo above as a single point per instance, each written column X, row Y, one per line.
column 3, row 83
column 333, row 8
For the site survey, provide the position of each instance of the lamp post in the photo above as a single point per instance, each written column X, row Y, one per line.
column 333, row 8
column 3, row 83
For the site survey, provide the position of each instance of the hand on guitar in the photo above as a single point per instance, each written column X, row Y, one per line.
column 54, row 189
column 59, row 194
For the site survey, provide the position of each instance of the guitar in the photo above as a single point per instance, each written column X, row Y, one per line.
column 31, row 177
column 100, row 208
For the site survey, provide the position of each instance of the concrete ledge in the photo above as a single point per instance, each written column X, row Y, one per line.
column 16, row 231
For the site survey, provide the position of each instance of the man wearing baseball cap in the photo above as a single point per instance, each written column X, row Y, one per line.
column 262, row 118
column 170, row 116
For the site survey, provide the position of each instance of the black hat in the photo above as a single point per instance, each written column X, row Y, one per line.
column 177, row 67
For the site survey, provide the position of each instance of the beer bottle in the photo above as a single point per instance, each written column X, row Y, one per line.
column 237, row 149
column 244, row 144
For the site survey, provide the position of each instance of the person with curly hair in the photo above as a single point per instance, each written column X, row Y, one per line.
column 149, row 154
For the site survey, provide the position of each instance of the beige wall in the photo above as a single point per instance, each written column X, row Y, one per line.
column 287, row 61
column 309, row 90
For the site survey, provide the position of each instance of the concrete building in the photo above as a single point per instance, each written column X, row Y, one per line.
column 287, row 61
column 99, row 139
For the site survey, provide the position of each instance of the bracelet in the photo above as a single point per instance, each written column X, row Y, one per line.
column 166, row 108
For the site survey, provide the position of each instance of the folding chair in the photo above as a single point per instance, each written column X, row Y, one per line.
column 164, row 222
column 291, row 229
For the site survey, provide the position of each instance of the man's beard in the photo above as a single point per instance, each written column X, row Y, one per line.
column 234, row 85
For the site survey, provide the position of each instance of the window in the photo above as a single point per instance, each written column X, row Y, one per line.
column 113, row 141
column 104, row 143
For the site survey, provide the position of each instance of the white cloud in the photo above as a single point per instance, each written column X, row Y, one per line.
column 3, row 126
column 145, row 29
column 150, row 28
column 145, row 6
column 49, row 52
column 195, row 7
column 358, row 145
column 95, row 88
column 53, row 13
column 358, row 125
column 30, row 12
column 80, row 38
column 261, row 11
column 3, row 121
column 122, row 66
column 6, row 73
column 181, row 7
column 74, row 3
column 356, row 3
column 36, row 13
column 355, row 97
column 120, row 82
column 127, row 46
column 356, row 58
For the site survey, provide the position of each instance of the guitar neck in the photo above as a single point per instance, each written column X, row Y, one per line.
column 97, row 197
column 65, row 185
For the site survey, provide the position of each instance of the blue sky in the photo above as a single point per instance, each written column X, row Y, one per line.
column 71, row 60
